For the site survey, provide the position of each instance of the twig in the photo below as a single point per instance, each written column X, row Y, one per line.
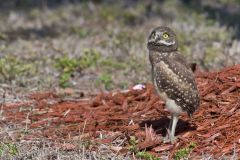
column 26, row 123
column 85, row 123
column 2, row 104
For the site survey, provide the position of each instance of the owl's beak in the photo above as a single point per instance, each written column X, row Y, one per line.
column 153, row 39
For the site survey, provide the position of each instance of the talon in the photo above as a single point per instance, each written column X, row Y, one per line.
column 173, row 139
column 166, row 139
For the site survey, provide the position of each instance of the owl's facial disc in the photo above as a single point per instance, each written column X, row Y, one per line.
column 162, row 38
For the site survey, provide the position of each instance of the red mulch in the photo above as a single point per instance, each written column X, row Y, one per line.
column 215, row 126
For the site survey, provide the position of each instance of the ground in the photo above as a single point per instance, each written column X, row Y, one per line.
column 68, row 71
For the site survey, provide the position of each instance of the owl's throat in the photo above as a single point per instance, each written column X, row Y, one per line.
column 152, row 46
column 156, row 56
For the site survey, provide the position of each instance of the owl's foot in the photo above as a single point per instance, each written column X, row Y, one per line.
column 172, row 138
column 169, row 138
column 166, row 139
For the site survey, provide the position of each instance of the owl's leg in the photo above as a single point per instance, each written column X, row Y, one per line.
column 172, row 131
column 166, row 138
column 170, row 124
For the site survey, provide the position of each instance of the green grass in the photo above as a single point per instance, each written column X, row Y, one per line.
column 90, row 58
column 147, row 156
column 184, row 152
column 106, row 80
column 133, row 144
column 12, row 68
column 8, row 149
column 67, row 66
column 140, row 154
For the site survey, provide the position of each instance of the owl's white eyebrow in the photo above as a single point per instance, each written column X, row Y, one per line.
column 167, row 43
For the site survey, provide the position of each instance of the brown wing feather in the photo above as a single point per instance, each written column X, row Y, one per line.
column 181, row 59
column 174, row 77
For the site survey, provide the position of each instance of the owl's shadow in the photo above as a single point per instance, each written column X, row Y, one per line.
column 160, row 125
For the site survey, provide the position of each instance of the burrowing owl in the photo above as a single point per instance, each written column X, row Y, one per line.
column 172, row 76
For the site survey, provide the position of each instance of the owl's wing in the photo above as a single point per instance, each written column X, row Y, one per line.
column 180, row 59
column 175, row 78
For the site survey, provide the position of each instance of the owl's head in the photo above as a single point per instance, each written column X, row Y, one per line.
column 162, row 39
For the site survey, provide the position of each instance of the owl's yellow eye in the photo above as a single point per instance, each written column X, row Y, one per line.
column 165, row 35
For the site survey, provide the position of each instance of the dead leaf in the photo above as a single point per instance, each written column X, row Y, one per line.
column 151, row 139
column 162, row 148
column 116, row 148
